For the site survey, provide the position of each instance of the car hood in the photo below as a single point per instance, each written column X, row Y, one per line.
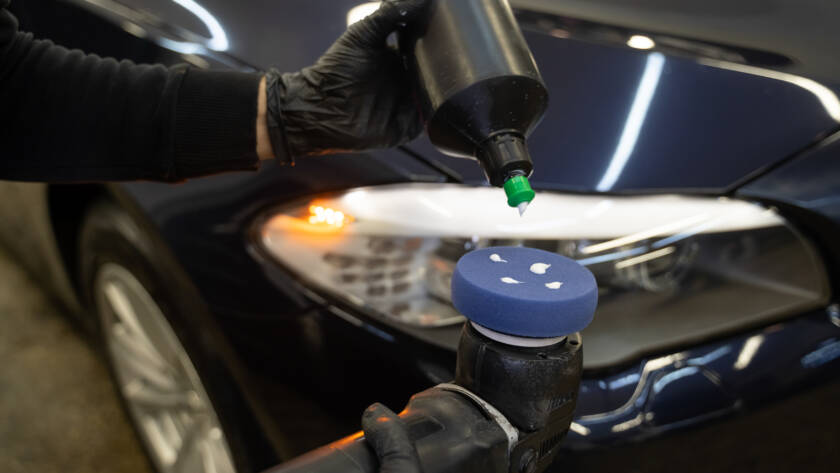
column 689, row 114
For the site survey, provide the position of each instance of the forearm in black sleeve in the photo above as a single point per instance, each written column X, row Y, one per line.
column 67, row 116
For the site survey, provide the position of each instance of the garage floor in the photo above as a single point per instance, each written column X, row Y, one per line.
column 58, row 409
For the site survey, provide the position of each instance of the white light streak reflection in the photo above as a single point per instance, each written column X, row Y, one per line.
column 828, row 99
column 359, row 12
column 218, row 38
column 629, row 424
column 635, row 120
column 579, row 429
column 748, row 352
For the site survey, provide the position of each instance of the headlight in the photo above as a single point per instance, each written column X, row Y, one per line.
column 670, row 269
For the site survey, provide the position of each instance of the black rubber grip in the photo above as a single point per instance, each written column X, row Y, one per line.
column 349, row 455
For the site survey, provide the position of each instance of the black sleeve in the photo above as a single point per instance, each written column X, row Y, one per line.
column 67, row 116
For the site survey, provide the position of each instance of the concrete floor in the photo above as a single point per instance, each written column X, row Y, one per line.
column 58, row 409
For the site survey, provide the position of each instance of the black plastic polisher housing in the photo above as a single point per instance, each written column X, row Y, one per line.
column 517, row 376
column 481, row 91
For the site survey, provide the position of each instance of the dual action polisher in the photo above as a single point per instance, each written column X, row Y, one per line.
column 517, row 376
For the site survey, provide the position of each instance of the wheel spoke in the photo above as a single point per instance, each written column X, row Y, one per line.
column 166, row 452
column 161, row 387
column 135, row 369
column 207, row 460
column 213, row 455
column 140, row 348
column 130, row 309
column 125, row 311
column 170, row 430
column 148, row 397
column 189, row 455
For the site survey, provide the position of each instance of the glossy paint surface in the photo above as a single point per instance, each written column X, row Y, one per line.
column 798, row 36
column 619, row 119
column 626, row 120
column 812, row 181
column 706, row 381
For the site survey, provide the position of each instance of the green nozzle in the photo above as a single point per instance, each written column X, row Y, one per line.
column 518, row 190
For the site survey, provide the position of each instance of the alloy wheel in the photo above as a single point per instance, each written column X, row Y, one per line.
column 165, row 397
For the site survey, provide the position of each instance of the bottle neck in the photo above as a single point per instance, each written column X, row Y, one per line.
column 503, row 156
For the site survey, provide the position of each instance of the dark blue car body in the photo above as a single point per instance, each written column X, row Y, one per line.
column 764, row 131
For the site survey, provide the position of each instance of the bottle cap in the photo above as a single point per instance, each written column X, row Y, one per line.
column 524, row 292
column 518, row 190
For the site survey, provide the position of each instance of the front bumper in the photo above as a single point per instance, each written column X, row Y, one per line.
column 688, row 387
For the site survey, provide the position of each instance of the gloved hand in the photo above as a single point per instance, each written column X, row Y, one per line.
column 357, row 96
column 388, row 436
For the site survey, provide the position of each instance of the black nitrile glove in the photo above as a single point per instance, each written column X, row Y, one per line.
column 388, row 436
column 357, row 96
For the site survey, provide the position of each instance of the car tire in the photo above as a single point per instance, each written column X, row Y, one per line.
column 173, row 384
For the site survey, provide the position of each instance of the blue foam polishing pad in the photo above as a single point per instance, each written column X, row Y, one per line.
column 524, row 291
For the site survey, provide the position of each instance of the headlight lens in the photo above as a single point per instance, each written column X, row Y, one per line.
column 670, row 269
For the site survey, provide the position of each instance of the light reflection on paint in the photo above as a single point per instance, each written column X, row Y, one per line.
column 663, row 361
column 710, row 357
column 218, row 37
column 218, row 40
column 669, row 378
column 635, row 120
column 623, row 381
column 627, row 425
column 359, row 12
column 827, row 352
column 579, row 429
column 828, row 99
column 748, row 352
column 133, row 29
